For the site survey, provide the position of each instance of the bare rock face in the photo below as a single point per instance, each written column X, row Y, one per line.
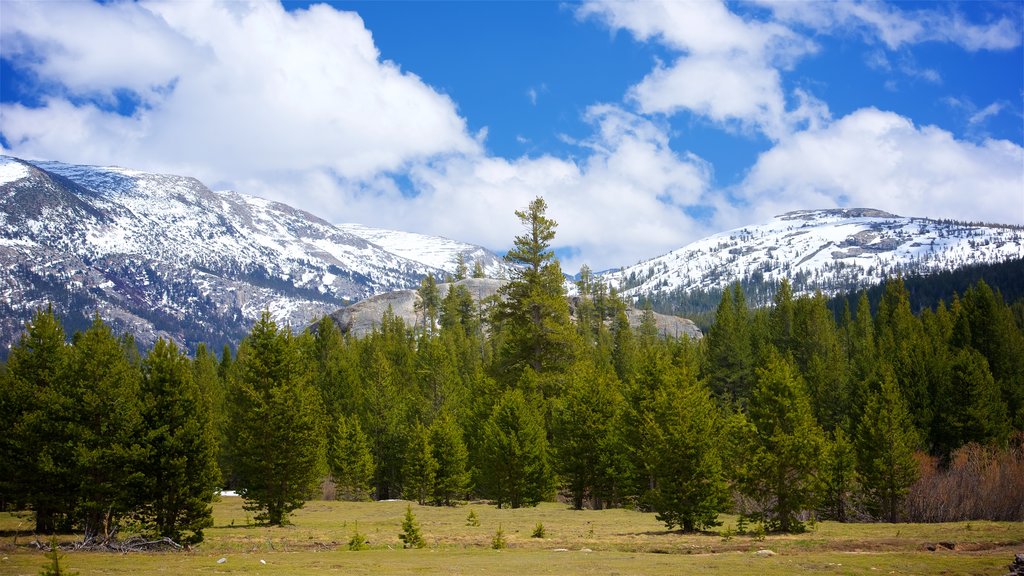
column 364, row 316
column 668, row 326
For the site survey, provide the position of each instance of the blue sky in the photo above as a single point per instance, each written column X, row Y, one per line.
column 645, row 125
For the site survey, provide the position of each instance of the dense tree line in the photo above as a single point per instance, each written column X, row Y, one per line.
column 778, row 413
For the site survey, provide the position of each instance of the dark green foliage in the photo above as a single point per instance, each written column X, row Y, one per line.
column 901, row 339
column 451, row 480
column 839, row 483
column 786, row 447
column 514, row 453
column 276, row 424
column 886, row 439
column 350, row 461
column 729, row 351
column 36, row 450
column 969, row 407
column 205, row 373
column 683, row 430
column 107, row 427
column 990, row 329
column 587, row 439
column 411, row 536
column 419, row 467
column 180, row 468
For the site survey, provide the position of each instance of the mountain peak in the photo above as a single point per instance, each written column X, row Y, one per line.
column 835, row 213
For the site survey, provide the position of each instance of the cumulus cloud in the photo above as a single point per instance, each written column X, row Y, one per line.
column 878, row 159
column 626, row 200
column 285, row 91
column 728, row 68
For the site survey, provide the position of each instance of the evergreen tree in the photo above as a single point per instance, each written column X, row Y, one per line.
column 514, row 454
column 862, row 353
column 350, row 460
column 419, row 468
column 460, row 268
column 276, row 424
column 969, row 406
column 429, row 302
column 451, row 481
column 900, row 345
column 36, row 452
column 624, row 345
column 181, row 467
column 782, row 319
column 411, row 536
column 993, row 333
column 839, row 463
column 478, row 270
column 534, row 315
column 206, row 375
column 684, row 436
column 885, row 450
column 385, row 408
column 818, row 351
column 783, row 469
column 729, row 353
column 590, row 456
column 106, row 426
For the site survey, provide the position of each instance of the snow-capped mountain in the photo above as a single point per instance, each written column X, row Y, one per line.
column 164, row 255
column 433, row 251
column 828, row 250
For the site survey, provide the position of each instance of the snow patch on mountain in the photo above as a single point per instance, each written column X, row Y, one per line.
column 435, row 251
column 164, row 255
column 828, row 250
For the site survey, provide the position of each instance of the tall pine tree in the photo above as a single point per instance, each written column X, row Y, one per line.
column 181, row 466
column 276, row 425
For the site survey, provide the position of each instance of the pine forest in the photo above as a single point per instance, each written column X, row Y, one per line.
column 785, row 414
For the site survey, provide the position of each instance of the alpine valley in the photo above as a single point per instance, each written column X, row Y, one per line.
column 163, row 255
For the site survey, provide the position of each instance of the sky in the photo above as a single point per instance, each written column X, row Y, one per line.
column 644, row 125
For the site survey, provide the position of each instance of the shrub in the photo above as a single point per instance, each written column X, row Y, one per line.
column 980, row 483
column 499, row 542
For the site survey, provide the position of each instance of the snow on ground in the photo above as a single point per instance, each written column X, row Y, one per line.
column 11, row 170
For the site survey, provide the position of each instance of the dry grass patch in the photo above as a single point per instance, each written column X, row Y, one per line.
column 619, row 542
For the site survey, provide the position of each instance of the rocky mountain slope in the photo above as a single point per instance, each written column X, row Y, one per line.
column 827, row 250
column 163, row 255
column 434, row 251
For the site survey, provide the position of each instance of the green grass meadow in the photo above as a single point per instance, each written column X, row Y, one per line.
column 612, row 542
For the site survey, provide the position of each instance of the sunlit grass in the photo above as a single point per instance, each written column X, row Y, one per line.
column 577, row 542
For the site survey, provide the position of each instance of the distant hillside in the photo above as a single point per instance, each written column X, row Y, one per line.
column 834, row 251
column 163, row 255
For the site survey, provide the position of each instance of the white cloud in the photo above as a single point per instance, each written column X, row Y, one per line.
column 982, row 116
column 878, row 159
column 625, row 201
column 230, row 90
column 897, row 27
column 728, row 70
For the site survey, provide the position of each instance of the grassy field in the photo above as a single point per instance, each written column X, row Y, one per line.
column 612, row 542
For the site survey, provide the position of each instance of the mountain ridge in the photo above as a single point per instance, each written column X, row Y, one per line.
column 831, row 250
column 163, row 255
